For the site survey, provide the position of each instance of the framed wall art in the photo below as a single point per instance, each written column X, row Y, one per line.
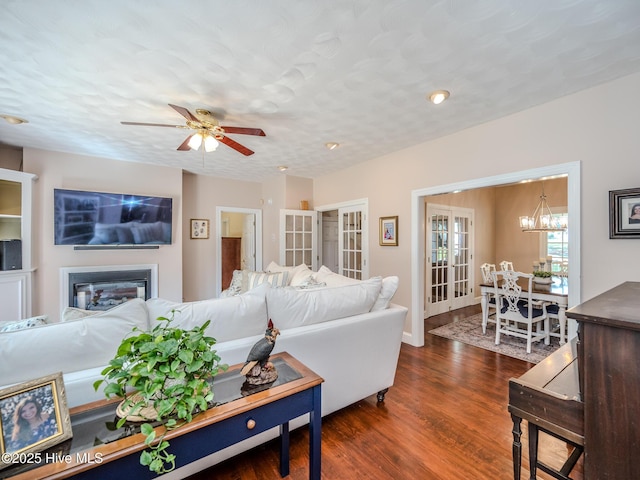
column 33, row 417
column 624, row 213
column 199, row 228
column 389, row 231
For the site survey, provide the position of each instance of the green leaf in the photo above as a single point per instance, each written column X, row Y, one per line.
column 146, row 429
column 170, row 423
column 113, row 389
column 146, row 458
column 186, row 356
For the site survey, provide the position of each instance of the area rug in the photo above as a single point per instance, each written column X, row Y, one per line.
column 469, row 331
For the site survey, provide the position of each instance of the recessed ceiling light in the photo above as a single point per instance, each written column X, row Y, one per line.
column 14, row 120
column 283, row 168
column 331, row 145
column 438, row 96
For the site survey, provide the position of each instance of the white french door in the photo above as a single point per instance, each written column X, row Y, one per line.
column 344, row 236
column 352, row 238
column 448, row 259
column 298, row 238
column 248, row 243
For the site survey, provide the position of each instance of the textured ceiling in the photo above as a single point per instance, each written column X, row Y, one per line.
column 307, row 72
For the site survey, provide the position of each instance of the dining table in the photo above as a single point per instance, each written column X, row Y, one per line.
column 557, row 292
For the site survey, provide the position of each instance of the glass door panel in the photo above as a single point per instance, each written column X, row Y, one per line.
column 448, row 259
column 298, row 232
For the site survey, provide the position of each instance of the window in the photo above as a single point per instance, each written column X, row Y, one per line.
column 556, row 244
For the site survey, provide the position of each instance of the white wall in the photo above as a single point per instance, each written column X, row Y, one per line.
column 202, row 194
column 597, row 127
column 274, row 198
column 64, row 170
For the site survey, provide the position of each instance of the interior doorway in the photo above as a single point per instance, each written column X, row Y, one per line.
column 343, row 234
column 238, row 242
column 329, row 240
column 449, row 263
column 418, row 244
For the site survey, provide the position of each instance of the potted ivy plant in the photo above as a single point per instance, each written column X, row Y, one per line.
column 163, row 376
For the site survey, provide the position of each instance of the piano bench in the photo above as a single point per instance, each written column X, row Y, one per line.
column 534, row 463
column 571, row 438
column 548, row 397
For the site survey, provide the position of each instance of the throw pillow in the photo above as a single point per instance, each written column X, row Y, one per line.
column 252, row 279
column 300, row 275
column 235, row 287
column 297, row 274
column 333, row 279
column 72, row 313
column 234, row 317
column 388, row 290
column 290, row 307
column 25, row 323
column 309, row 283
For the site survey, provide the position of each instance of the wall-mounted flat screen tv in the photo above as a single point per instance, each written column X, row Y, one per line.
column 96, row 218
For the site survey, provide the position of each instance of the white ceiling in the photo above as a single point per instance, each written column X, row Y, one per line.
column 307, row 72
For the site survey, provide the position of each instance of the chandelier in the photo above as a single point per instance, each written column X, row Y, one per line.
column 542, row 219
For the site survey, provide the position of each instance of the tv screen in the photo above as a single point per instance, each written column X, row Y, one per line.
column 95, row 218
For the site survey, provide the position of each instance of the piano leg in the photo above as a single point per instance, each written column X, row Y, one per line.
column 517, row 446
column 533, row 450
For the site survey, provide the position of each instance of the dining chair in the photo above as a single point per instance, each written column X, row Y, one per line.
column 556, row 328
column 505, row 265
column 515, row 308
column 487, row 269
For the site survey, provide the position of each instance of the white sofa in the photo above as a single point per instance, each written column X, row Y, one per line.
column 347, row 333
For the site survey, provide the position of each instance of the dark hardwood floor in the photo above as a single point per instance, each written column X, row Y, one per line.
column 445, row 418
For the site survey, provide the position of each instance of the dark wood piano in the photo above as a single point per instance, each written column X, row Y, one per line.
column 588, row 391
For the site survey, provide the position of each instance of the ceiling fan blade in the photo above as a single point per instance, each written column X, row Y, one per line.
column 236, row 146
column 185, row 145
column 185, row 113
column 152, row 124
column 245, row 131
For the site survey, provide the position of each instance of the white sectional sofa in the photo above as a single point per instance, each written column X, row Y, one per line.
column 346, row 331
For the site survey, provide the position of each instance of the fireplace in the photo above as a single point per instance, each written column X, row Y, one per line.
column 104, row 287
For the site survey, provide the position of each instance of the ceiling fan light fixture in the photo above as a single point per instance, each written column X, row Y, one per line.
column 438, row 96
column 195, row 141
column 332, row 145
column 283, row 168
column 210, row 143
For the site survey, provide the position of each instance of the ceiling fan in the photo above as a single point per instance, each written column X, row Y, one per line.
column 207, row 131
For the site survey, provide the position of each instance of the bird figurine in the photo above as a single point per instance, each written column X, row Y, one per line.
column 257, row 368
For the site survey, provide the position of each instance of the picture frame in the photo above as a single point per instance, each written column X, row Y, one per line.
column 389, row 231
column 43, row 403
column 624, row 213
column 199, row 228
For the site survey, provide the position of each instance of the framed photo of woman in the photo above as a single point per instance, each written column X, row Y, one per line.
column 389, row 231
column 624, row 213
column 33, row 417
